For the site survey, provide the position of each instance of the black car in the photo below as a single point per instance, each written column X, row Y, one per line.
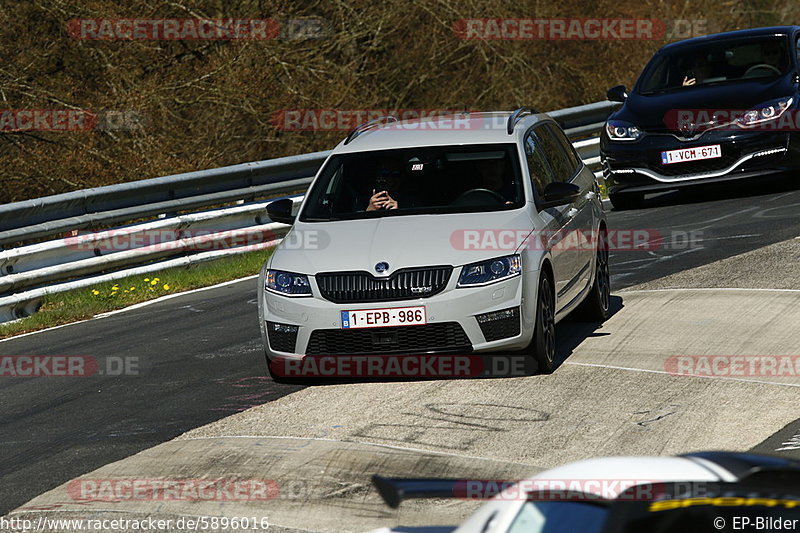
column 707, row 109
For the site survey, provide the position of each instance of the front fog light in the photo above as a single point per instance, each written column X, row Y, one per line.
column 282, row 337
column 283, row 328
column 497, row 315
column 500, row 324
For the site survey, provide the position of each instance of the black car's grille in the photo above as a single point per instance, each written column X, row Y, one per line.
column 352, row 287
column 501, row 328
column 447, row 336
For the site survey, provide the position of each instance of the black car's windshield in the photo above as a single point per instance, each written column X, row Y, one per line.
column 725, row 61
column 439, row 179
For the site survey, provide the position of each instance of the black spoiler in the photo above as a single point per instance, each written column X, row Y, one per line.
column 394, row 490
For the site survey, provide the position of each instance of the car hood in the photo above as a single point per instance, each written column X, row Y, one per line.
column 656, row 112
column 400, row 241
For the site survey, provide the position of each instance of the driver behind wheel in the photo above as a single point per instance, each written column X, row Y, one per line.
column 492, row 172
column 771, row 55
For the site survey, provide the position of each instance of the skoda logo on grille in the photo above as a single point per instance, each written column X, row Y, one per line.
column 381, row 267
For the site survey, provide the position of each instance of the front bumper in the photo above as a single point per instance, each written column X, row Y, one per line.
column 452, row 326
column 636, row 166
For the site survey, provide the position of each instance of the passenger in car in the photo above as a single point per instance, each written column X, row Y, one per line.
column 386, row 191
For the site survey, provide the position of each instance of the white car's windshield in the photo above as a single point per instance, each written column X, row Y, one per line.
column 439, row 179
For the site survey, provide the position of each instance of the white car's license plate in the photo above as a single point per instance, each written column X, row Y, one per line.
column 378, row 318
column 691, row 154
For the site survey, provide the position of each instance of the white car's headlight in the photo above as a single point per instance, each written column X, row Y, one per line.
column 619, row 130
column 491, row 271
column 765, row 112
column 287, row 283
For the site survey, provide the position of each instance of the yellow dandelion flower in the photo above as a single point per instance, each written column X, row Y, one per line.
column 166, row 287
column 147, row 279
column 156, row 279
column 115, row 288
column 154, row 282
column 95, row 292
column 132, row 289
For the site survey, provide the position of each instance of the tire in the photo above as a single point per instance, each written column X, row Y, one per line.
column 543, row 345
column 626, row 200
column 595, row 308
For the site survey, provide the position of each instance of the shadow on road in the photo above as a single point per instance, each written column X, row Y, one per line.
column 745, row 188
column 570, row 334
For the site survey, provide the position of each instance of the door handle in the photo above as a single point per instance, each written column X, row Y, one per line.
column 572, row 212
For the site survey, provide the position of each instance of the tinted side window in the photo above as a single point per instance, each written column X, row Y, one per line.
column 572, row 155
column 563, row 168
column 538, row 167
column 797, row 48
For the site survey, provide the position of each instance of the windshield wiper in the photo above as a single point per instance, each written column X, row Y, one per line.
column 320, row 219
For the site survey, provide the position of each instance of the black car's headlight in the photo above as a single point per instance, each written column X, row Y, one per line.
column 491, row 271
column 765, row 112
column 287, row 283
column 619, row 130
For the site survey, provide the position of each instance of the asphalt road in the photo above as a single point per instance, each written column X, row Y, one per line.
column 199, row 357
column 687, row 229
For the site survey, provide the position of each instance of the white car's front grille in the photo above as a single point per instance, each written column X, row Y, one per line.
column 409, row 283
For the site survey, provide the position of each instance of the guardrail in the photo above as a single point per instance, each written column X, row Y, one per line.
column 25, row 270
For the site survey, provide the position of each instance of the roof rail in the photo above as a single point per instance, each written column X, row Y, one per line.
column 358, row 130
column 516, row 116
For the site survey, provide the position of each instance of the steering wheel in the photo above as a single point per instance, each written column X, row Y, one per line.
column 478, row 197
column 762, row 66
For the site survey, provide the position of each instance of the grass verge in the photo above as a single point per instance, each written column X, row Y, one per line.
column 85, row 303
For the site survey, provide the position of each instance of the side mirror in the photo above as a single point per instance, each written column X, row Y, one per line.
column 617, row 94
column 560, row 193
column 281, row 211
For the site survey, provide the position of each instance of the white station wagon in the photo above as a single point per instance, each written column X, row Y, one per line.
column 474, row 238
